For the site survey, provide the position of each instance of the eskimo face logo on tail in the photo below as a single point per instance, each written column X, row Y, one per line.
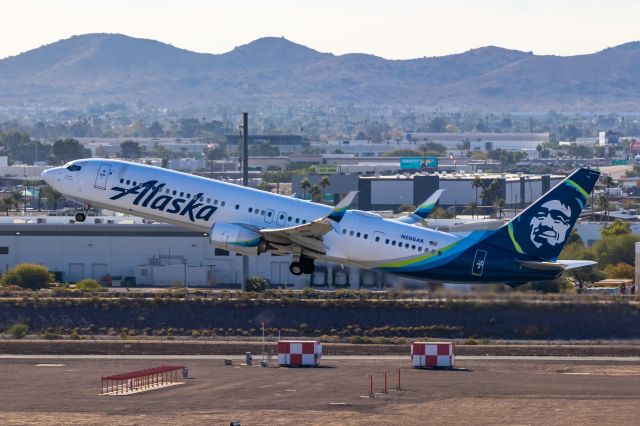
column 149, row 195
column 550, row 224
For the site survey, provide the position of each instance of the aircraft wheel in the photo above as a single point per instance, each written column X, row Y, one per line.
column 295, row 268
column 80, row 217
column 307, row 265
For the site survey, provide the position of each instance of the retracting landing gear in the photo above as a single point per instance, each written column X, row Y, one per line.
column 81, row 216
column 304, row 265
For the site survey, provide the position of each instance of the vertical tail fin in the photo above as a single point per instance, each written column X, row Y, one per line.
column 542, row 229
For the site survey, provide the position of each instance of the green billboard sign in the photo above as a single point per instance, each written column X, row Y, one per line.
column 417, row 163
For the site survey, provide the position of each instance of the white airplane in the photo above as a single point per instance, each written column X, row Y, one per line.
column 251, row 222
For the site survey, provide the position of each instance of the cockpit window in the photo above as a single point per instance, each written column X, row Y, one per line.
column 73, row 168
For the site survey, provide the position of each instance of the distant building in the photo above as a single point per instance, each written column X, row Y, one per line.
column 609, row 138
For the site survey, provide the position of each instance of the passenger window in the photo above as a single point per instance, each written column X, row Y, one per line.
column 351, row 233
column 406, row 245
column 175, row 192
column 297, row 220
column 128, row 181
column 377, row 239
column 393, row 243
column 237, row 206
column 344, row 231
column 366, row 236
column 182, row 194
column 222, row 203
column 304, row 221
column 215, row 202
column 135, row 183
column 386, row 241
column 188, row 195
column 209, row 200
column 358, row 235
column 269, row 214
column 250, row 209
column 419, row 248
column 289, row 219
column 121, row 180
column 257, row 211
column 166, row 192
column 413, row 247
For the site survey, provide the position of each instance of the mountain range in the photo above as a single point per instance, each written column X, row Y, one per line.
column 103, row 68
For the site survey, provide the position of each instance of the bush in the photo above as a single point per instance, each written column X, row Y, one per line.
column 28, row 275
column 18, row 331
column 619, row 270
column 257, row 284
column 89, row 285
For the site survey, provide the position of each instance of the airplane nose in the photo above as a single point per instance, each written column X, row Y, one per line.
column 49, row 175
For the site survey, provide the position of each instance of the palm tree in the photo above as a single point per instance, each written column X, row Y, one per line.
column 473, row 208
column 17, row 197
column 53, row 197
column 603, row 203
column 7, row 204
column 476, row 184
column 315, row 192
column 305, row 185
column 499, row 206
column 324, row 182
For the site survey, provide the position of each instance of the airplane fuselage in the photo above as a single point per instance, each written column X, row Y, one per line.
column 362, row 239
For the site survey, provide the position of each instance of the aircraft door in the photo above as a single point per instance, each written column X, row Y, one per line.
column 478, row 263
column 281, row 219
column 103, row 174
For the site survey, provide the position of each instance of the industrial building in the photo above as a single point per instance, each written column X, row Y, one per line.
column 128, row 251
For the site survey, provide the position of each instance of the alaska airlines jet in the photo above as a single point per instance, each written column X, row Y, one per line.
column 251, row 222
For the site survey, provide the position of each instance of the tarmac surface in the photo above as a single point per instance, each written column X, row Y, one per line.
column 483, row 390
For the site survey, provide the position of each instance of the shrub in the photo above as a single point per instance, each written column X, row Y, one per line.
column 89, row 285
column 257, row 284
column 18, row 331
column 28, row 275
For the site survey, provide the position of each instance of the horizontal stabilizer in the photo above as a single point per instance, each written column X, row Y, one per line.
column 571, row 264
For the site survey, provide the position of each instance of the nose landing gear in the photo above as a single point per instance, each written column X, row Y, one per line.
column 304, row 266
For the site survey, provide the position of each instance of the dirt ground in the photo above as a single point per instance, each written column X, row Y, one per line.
column 483, row 392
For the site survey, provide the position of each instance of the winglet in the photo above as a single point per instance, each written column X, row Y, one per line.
column 429, row 204
column 341, row 208
column 423, row 209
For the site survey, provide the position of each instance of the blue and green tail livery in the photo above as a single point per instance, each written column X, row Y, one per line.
column 542, row 229
column 340, row 209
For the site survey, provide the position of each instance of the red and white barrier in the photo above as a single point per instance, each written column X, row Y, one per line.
column 297, row 352
column 432, row 354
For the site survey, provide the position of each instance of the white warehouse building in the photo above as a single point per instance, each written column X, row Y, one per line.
column 124, row 252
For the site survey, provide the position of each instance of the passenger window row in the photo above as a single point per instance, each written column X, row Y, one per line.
column 176, row 193
column 387, row 241
column 269, row 213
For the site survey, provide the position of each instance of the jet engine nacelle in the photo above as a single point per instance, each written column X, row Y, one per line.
column 236, row 238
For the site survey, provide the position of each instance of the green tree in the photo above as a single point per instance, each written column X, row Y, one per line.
column 29, row 276
column 257, row 284
column 402, row 153
column 89, row 285
column 476, row 184
column 7, row 204
column 18, row 330
column 315, row 193
column 620, row 270
column 406, row 208
column 473, row 208
column 324, row 182
column 155, row 130
column 615, row 249
column 498, row 205
column 438, row 125
column 575, row 250
column 305, row 185
column 52, row 196
column 18, row 197
column 65, row 150
column 130, row 150
column 617, row 227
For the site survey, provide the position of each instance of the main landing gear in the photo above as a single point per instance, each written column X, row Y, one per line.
column 82, row 215
column 304, row 266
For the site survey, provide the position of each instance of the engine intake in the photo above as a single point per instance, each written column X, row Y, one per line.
column 236, row 238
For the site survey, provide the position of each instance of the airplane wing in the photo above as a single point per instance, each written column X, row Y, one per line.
column 423, row 210
column 309, row 235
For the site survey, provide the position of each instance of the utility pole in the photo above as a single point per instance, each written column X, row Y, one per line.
column 245, row 182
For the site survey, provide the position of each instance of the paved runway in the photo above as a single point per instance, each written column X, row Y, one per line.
column 256, row 356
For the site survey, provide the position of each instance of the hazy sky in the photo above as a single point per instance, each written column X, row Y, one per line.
column 394, row 29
